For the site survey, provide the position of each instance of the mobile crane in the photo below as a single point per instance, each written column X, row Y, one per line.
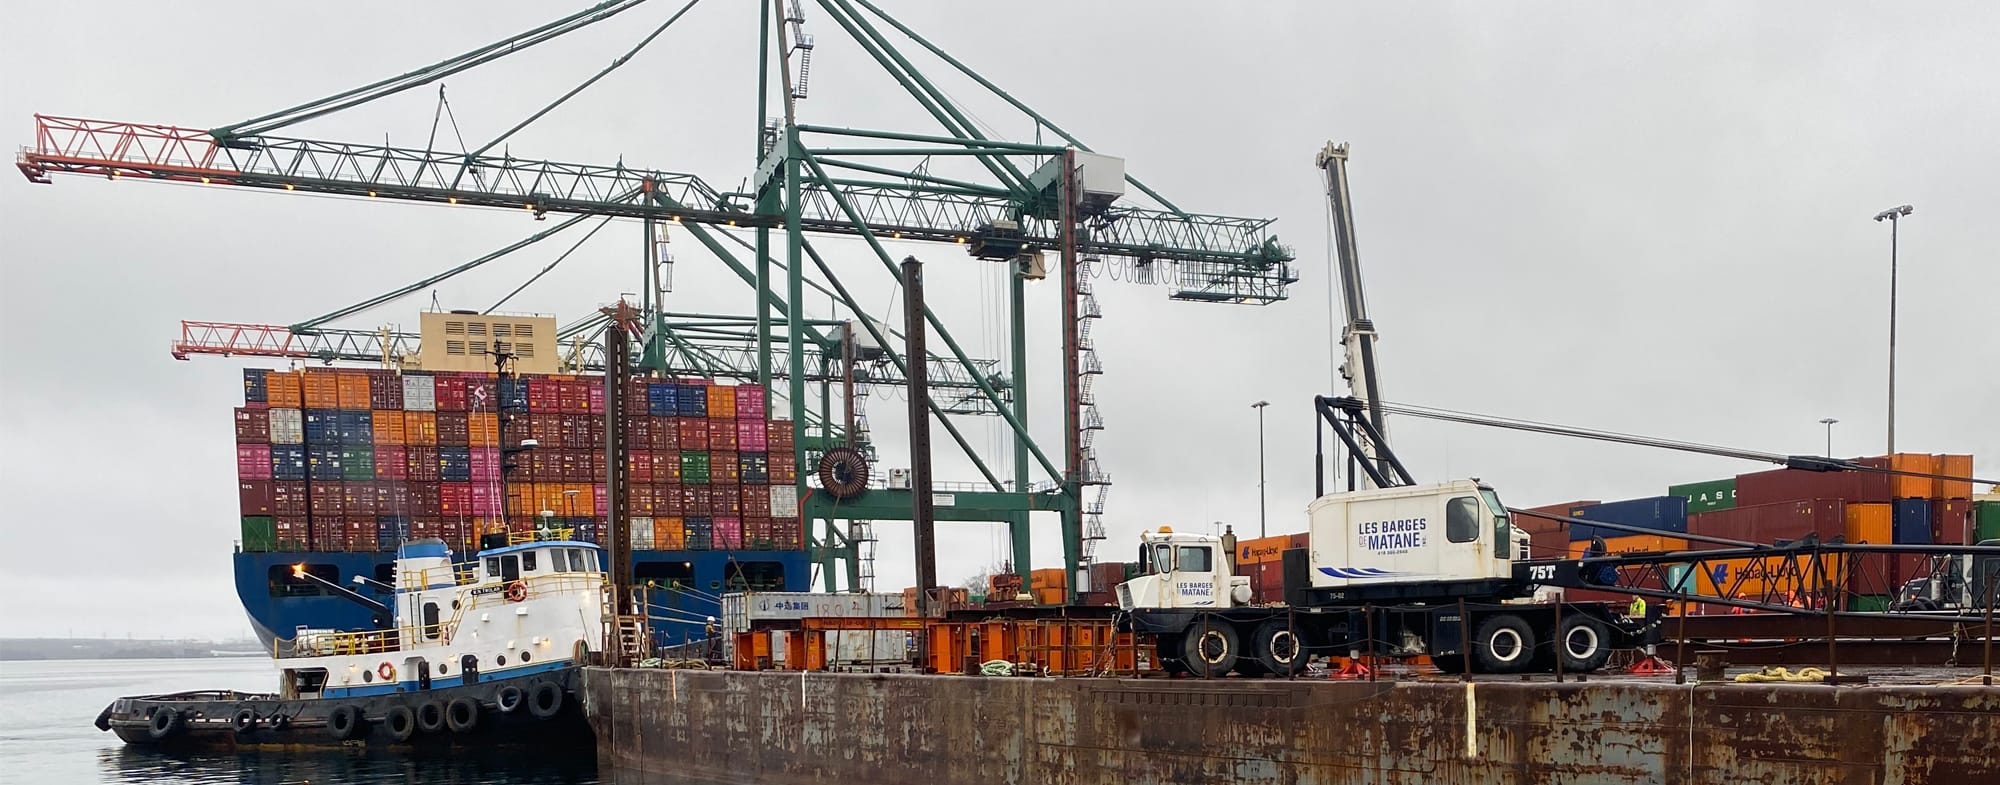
column 1416, row 569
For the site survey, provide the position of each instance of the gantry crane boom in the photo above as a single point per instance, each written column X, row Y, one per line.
column 1357, row 335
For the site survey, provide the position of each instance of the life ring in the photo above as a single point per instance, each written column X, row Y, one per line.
column 387, row 672
column 517, row 591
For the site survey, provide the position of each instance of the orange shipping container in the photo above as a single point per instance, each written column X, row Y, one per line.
column 581, row 503
column 1267, row 549
column 1871, row 523
column 351, row 390
column 1903, row 486
column 1633, row 543
column 420, row 428
column 281, row 389
column 1048, row 578
column 320, row 389
column 483, row 430
column 668, row 534
column 1949, row 465
column 1052, row 595
column 388, row 427
column 722, row 402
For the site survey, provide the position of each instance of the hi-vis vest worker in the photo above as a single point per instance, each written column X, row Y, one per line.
column 1637, row 609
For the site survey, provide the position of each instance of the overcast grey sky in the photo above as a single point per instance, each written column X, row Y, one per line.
column 1648, row 218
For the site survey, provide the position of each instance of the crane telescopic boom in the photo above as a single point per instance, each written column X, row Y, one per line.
column 1357, row 336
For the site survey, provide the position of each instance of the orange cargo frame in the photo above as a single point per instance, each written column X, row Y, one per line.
column 1054, row 647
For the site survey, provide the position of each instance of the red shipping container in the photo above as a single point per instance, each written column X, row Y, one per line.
column 728, row 532
column 396, row 498
column 291, row 532
column 1769, row 523
column 668, row 501
column 643, row 500
column 594, row 393
column 667, row 467
column 636, row 403
column 327, row 535
column 358, row 498
column 639, row 433
column 666, row 435
column 420, row 464
column 724, row 468
column 454, row 429
column 725, row 500
column 749, row 402
column 780, row 433
column 426, row 528
column 575, row 467
column 450, row 392
column 721, row 433
column 1951, row 522
column 325, row 499
column 385, row 391
column 253, row 461
column 783, row 472
column 692, row 433
column 1790, row 485
column 576, row 432
column 543, row 397
column 392, row 463
column 454, row 499
column 640, row 465
column 544, row 428
column 254, row 497
column 253, row 426
column 288, row 498
column 575, row 396
column 756, row 501
column 694, row 501
column 424, row 497
column 361, row 534
column 600, row 498
column 485, row 499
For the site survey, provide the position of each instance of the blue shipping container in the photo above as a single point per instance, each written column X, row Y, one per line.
column 661, row 400
column 693, row 400
column 254, row 386
column 455, row 464
column 323, row 463
column 390, row 530
column 1913, row 522
column 1665, row 514
column 322, row 427
column 356, row 427
column 288, row 462
column 513, row 394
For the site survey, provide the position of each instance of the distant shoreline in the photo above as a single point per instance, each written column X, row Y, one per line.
column 32, row 649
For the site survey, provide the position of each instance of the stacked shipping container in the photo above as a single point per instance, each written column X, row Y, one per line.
column 350, row 460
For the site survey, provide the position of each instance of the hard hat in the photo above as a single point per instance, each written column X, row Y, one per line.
column 711, row 618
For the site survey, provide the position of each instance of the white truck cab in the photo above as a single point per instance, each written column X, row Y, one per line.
column 1183, row 571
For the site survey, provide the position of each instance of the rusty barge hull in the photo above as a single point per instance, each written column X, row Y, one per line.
column 954, row 730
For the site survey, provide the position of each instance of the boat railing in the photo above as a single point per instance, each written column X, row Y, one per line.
column 328, row 643
column 540, row 535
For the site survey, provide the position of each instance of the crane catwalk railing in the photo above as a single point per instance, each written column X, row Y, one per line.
column 1240, row 247
column 693, row 356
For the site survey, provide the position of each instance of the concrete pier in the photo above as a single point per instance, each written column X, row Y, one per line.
column 787, row 727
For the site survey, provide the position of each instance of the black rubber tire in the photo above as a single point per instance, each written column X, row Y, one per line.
column 1280, row 649
column 430, row 716
column 346, row 723
column 1503, row 643
column 243, row 721
column 462, row 716
column 545, row 700
column 401, row 722
column 166, row 723
column 1584, row 644
column 1211, row 648
column 279, row 721
column 509, row 699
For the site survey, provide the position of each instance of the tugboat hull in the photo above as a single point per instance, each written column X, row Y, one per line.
column 544, row 710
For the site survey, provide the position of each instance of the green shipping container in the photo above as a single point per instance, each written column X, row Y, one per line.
column 260, row 534
column 1986, row 521
column 1707, row 496
column 694, row 467
column 357, row 464
column 1869, row 603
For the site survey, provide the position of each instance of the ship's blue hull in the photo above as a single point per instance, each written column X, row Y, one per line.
column 278, row 605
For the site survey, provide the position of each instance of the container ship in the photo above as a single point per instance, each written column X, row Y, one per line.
column 338, row 466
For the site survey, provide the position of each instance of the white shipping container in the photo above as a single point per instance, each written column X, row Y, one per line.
column 784, row 501
column 739, row 609
column 419, row 394
column 288, row 426
column 642, row 533
column 867, row 647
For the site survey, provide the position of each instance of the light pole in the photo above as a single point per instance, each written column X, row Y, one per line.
column 1828, row 422
column 1261, row 527
column 1894, row 216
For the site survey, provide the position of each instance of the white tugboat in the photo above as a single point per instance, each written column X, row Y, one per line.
column 477, row 653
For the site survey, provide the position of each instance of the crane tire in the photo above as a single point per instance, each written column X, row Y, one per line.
column 1583, row 643
column 1503, row 643
column 1211, row 648
column 1280, row 649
